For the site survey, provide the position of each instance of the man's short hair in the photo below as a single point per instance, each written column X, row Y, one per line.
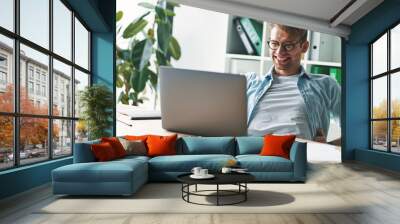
column 293, row 31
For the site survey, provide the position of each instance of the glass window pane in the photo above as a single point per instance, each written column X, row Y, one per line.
column 81, row 81
column 62, row 89
column 379, row 97
column 6, row 142
column 395, row 94
column 35, row 21
column 6, row 74
column 81, row 45
column 7, row 14
column 395, row 136
column 379, row 135
column 33, row 139
column 34, row 72
column 62, row 138
column 62, row 29
column 379, row 55
column 395, row 47
column 81, row 131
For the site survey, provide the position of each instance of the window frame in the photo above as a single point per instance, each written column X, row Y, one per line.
column 388, row 74
column 16, row 114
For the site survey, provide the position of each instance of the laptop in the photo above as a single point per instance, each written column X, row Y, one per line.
column 203, row 103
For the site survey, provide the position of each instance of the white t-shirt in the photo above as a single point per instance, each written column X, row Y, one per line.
column 281, row 110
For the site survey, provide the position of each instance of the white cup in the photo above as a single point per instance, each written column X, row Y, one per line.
column 196, row 171
column 203, row 172
column 226, row 170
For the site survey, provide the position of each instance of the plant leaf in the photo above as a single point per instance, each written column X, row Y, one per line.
column 139, row 80
column 123, row 98
column 161, row 59
column 134, row 28
column 119, row 16
column 141, row 53
column 146, row 5
column 119, row 83
column 152, row 77
column 174, row 49
column 160, row 12
column 164, row 35
column 169, row 12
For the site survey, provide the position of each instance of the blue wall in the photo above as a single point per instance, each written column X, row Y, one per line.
column 357, row 85
column 99, row 15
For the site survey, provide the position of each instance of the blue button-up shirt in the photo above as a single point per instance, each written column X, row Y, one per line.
column 321, row 95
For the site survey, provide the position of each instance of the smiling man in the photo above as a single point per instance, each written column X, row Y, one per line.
column 287, row 100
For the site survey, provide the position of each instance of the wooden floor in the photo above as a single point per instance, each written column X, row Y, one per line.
column 378, row 189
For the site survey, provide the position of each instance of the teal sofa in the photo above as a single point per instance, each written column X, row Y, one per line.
column 125, row 176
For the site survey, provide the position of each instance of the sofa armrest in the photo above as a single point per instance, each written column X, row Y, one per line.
column 298, row 155
column 83, row 152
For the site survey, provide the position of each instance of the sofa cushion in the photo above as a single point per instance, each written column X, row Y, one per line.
column 111, row 171
column 161, row 145
column 185, row 163
column 207, row 145
column 249, row 145
column 116, row 145
column 134, row 147
column 103, row 152
column 257, row 163
column 277, row 145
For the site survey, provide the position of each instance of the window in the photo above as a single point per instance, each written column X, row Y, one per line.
column 81, row 45
column 385, row 97
column 38, row 89
column 34, row 21
column 54, row 125
column 3, row 78
column 44, row 91
column 3, row 61
column 7, row 14
column 30, row 72
column 30, row 87
column 7, row 83
column 62, row 29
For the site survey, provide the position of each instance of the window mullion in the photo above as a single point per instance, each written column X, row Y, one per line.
column 389, row 104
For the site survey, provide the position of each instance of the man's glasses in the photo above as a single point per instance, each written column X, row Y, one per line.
column 274, row 45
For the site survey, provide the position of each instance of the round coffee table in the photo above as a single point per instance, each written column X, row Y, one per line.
column 238, row 179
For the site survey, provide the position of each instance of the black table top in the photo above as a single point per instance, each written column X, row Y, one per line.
column 220, row 178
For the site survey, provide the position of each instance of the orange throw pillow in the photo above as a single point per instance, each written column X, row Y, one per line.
column 161, row 145
column 116, row 145
column 103, row 151
column 277, row 145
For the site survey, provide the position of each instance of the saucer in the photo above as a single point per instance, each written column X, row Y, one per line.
column 208, row 176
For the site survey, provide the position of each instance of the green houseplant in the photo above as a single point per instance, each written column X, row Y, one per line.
column 96, row 102
column 151, row 46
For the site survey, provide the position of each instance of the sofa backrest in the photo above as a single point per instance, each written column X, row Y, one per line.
column 206, row 145
column 249, row 145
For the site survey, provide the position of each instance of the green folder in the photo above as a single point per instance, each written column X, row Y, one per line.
column 334, row 72
column 253, row 29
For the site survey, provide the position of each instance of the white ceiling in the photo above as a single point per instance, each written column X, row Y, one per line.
column 317, row 15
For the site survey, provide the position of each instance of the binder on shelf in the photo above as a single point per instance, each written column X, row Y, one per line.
column 253, row 30
column 243, row 37
column 334, row 72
